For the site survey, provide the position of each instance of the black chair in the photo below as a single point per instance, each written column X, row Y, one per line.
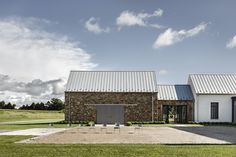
column 117, row 126
column 104, row 126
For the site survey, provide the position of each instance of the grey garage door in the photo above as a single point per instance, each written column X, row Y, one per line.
column 110, row 114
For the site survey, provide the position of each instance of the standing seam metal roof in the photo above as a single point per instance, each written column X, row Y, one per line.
column 111, row 81
column 174, row 92
column 213, row 83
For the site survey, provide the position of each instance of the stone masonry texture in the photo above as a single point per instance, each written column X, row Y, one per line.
column 78, row 104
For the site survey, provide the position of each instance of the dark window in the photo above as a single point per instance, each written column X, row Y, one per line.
column 214, row 110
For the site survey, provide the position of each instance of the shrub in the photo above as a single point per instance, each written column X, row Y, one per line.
column 128, row 124
column 213, row 123
column 91, row 123
column 73, row 122
column 148, row 122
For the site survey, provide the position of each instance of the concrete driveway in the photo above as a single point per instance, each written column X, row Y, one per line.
column 222, row 133
column 34, row 131
column 145, row 135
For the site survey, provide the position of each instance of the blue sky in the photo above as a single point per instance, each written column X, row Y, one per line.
column 53, row 37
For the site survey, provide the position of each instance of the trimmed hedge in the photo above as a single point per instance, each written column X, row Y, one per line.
column 213, row 123
column 85, row 123
column 146, row 122
column 130, row 123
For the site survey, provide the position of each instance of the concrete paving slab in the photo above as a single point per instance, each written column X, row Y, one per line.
column 33, row 121
column 35, row 131
column 1, row 131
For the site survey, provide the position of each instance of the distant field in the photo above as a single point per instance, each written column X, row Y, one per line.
column 26, row 115
column 25, row 119
column 9, row 148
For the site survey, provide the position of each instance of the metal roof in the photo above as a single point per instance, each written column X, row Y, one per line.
column 213, row 83
column 111, row 81
column 174, row 92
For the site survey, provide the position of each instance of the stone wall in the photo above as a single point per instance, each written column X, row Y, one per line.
column 78, row 102
column 175, row 102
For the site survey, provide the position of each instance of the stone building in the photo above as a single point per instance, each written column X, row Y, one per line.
column 111, row 96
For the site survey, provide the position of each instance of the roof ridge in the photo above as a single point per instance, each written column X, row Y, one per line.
column 112, row 71
column 172, row 84
column 213, row 74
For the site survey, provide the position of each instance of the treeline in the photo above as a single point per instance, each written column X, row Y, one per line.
column 53, row 104
column 4, row 105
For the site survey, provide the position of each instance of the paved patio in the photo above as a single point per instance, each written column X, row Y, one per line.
column 145, row 135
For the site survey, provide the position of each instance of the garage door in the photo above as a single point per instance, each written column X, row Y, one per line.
column 110, row 114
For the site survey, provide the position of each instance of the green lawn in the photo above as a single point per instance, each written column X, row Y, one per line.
column 25, row 119
column 9, row 148
column 25, row 115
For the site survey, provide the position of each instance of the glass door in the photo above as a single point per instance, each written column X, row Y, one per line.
column 181, row 114
column 175, row 113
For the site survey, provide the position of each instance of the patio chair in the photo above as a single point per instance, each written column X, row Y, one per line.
column 138, row 127
column 92, row 127
column 104, row 127
column 117, row 127
column 80, row 127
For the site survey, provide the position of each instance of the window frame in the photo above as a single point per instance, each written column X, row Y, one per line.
column 214, row 115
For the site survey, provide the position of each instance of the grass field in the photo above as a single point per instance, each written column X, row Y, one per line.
column 24, row 115
column 25, row 119
column 9, row 148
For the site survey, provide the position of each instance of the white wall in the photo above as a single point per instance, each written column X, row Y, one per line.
column 203, row 108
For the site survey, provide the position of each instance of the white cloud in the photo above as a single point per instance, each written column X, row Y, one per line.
column 26, row 92
column 92, row 25
column 29, row 52
column 232, row 43
column 170, row 37
column 128, row 18
column 163, row 72
column 36, row 87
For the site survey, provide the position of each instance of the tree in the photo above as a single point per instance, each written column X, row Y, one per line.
column 53, row 104
column 32, row 106
column 23, row 107
column 40, row 106
column 56, row 104
column 2, row 104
